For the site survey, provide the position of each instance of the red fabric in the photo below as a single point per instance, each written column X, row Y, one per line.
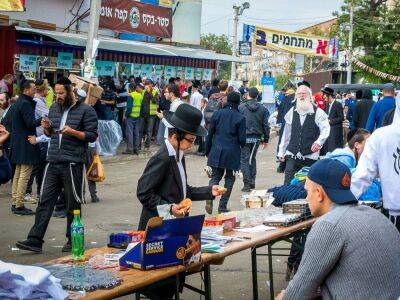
column 319, row 101
column 7, row 50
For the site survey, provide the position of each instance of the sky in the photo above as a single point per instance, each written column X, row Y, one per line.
column 287, row 15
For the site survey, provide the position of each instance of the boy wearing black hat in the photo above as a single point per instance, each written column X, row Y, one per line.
column 334, row 110
column 343, row 255
column 71, row 125
column 164, row 180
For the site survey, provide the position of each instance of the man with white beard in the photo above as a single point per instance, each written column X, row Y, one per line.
column 306, row 130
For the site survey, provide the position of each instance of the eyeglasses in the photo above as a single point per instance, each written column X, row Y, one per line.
column 191, row 141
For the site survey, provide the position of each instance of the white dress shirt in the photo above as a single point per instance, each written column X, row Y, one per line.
column 172, row 152
column 321, row 119
column 41, row 111
column 195, row 100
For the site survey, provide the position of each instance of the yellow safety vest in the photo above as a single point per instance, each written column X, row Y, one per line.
column 137, row 103
column 49, row 97
column 153, row 106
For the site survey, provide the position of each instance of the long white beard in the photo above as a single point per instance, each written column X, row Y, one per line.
column 303, row 107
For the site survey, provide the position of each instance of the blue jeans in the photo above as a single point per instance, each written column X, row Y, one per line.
column 248, row 163
column 132, row 133
column 161, row 133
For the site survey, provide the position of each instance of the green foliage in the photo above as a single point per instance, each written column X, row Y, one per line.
column 219, row 44
column 376, row 31
column 281, row 81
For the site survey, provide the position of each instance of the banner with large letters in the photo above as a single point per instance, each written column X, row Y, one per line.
column 291, row 42
column 135, row 17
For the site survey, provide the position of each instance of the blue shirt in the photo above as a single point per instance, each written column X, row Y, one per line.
column 378, row 112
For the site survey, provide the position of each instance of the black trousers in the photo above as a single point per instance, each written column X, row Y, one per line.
column 396, row 221
column 248, row 163
column 216, row 177
column 293, row 165
column 67, row 177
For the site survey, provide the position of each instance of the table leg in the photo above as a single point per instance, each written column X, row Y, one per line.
column 254, row 272
column 271, row 274
column 137, row 296
column 207, row 282
column 177, row 289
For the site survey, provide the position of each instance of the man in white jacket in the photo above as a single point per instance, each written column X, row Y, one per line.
column 381, row 157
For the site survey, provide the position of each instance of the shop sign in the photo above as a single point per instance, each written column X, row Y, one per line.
column 268, row 90
column 169, row 71
column 245, row 48
column 64, row 60
column 207, row 74
column 137, row 70
column 146, row 70
column 267, row 38
column 27, row 63
column 189, row 73
column 105, row 68
column 135, row 17
column 198, row 73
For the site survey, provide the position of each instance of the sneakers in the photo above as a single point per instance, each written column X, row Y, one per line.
column 223, row 210
column 246, row 189
column 29, row 246
column 95, row 199
column 136, row 151
column 67, row 247
column 60, row 213
column 12, row 208
column 23, row 211
column 252, row 186
column 30, row 199
column 209, row 206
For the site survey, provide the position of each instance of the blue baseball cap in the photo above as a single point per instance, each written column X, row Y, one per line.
column 335, row 178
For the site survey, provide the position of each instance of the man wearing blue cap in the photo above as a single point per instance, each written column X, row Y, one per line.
column 352, row 251
column 380, row 108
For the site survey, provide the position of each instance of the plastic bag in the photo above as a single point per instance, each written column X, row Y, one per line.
column 110, row 136
column 96, row 170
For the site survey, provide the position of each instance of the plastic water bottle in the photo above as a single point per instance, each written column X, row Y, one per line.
column 78, row 237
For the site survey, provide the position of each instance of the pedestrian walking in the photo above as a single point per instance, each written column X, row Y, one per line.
column 257, row 132
column 226, row 135
column 381, row 107
column 196, row 97
column 306, row 130
column 216, row 101
column 334, row 110
column 71, row 124
column 362, row 109
column 132, row 115
column 24, row 155
column 148, row 113
column 381, row 157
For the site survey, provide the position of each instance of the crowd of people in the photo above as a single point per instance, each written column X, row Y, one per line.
column 344, row 144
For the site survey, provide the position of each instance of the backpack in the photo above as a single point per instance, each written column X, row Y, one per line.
column 211, row 107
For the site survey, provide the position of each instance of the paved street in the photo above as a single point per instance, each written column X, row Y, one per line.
column 119, row 209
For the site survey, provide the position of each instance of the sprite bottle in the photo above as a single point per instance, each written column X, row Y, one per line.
column 78, row 237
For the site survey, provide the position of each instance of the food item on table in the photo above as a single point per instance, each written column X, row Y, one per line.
column 222, row 190
column 186, row 205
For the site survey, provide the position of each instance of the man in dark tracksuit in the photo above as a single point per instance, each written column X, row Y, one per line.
column 257, row 131
column 71, row 124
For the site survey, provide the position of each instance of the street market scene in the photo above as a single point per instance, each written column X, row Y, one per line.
column 199, row 149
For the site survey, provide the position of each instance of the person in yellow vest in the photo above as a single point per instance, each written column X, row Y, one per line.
column 49, row 96
column 148, row 112
column 132, row 115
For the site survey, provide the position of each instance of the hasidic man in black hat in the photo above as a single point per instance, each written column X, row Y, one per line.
column 334, row 110
column 306, row 130
column 164, row 180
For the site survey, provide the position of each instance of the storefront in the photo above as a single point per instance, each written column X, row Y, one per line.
column 43, row 53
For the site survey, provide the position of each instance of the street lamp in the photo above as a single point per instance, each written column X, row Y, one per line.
column 238, row 11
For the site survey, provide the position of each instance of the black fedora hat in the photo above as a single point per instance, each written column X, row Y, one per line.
column 186, row 118
column 328, row 91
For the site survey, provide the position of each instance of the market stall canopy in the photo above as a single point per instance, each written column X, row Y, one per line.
column 133, row 46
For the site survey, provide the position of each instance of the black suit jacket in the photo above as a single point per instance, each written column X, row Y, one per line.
column 336, row 118
column 361, row 112
column 161, row 183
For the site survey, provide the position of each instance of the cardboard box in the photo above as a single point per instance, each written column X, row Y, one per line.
column 88, row 86
column 166, row 243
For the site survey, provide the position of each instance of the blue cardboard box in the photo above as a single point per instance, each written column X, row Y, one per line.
column 171, row 242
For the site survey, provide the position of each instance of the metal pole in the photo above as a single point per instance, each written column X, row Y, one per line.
column 271, row 273
column 207, row 282
column 349, row 66
column 235, row 26
column 95, row 7
column 254, row 272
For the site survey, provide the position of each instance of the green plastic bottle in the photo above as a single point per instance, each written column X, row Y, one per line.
column 78, row 237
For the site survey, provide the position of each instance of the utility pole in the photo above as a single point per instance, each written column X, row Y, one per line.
column 350, row 53
column 92, row 43
column 236, row 10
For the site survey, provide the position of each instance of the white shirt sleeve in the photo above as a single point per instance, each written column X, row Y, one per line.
column 43, row 139
column 321, row 119
column 367, row 168
column 287, row 131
